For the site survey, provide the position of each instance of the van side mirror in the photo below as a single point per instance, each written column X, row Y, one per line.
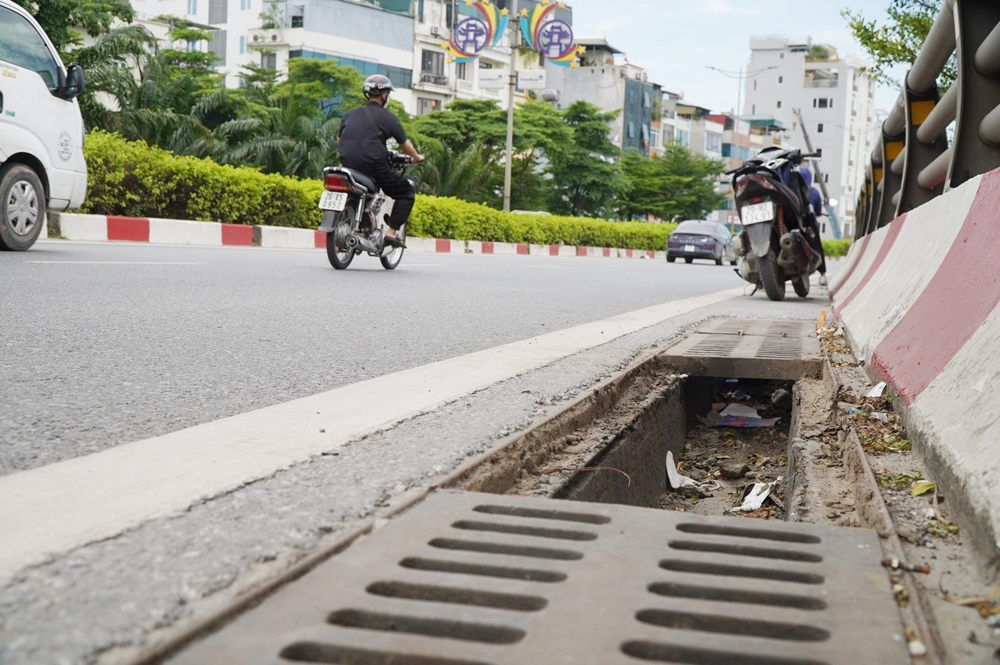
column 74, row 84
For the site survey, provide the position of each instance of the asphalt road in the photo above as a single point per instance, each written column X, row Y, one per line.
column 104, row 344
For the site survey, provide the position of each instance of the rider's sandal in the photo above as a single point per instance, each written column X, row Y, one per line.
column 394, row 242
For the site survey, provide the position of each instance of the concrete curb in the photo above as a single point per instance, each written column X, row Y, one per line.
column 920, row 303
column 109, row 228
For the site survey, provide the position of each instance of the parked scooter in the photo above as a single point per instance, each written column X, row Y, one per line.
column 356, row 210
column 780, row 239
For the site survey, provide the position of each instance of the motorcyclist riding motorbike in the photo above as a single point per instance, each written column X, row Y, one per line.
column 363, row 133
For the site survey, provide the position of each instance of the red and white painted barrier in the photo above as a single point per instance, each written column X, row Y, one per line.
column 920, row 303
column 183, row 232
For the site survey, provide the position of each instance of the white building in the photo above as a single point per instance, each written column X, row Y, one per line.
column 402, row 39
column 836, row 100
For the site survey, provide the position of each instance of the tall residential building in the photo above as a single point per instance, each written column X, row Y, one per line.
column 402, row 39
column 836, row 99
column 613, row 85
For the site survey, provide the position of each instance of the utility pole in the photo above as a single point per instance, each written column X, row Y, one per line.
column 819, row 178
column 508, row 162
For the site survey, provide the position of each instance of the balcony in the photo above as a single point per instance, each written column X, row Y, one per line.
column 434, row 79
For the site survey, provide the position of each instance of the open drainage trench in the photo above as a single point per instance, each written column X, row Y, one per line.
column 498, row 573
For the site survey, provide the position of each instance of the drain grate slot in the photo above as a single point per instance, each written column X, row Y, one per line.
column 702, row 568
column 534, row 513
column 718, row 623
column 315, row 652
column 510, row 550
column 732, row 595
column 740, row 532
column 515, row 529
column 501, row 572
column 440, row 594
column 398, row 623
column 667, row 653
column 408, row 594
column 741, row 550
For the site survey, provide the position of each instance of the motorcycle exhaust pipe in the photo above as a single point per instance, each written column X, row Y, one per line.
column 357, row 242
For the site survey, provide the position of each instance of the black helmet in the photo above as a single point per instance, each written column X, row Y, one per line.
column 376, row 85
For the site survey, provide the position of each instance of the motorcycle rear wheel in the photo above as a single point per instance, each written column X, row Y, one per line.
column 392, row 259
column 801, row 286
column 770, row 277
column 337, row 251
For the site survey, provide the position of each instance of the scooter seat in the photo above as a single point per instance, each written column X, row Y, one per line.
column 364, row 180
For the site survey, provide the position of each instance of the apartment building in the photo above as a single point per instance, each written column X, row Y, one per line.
column 613, row 85
column 836, row 99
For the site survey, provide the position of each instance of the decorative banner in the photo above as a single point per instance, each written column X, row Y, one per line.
column 474, row 34
column 550, row 36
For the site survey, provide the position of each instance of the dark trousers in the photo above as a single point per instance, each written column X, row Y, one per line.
column 815, row 242
column 394, row 184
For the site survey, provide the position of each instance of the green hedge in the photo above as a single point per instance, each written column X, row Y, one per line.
column 836, row 248
column 133, row 179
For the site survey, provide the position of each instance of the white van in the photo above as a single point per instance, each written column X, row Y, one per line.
column 41, row 130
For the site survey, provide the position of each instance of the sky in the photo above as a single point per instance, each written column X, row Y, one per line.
column 675, row 40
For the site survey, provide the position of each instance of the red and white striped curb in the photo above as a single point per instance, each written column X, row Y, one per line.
column 183, row 232
column 920, row 302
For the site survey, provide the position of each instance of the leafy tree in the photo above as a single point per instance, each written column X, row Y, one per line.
column 58, row 18
column 898, row 39
column 676, row 184
column 587, row 178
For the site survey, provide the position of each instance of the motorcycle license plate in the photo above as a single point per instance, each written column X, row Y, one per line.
column 757, row 212
column 688, row 248
column 335, row 201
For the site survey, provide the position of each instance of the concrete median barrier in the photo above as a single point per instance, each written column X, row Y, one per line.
column 919, row 300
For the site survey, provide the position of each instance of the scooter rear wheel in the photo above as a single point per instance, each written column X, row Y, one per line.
column 801, row 286
column 337, row 251
column 771, row 278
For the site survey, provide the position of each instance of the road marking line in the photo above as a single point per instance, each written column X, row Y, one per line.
column 55, row 508
column 122, row 263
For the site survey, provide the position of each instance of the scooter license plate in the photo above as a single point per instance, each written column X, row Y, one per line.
column 757, row 213
column 335, row 201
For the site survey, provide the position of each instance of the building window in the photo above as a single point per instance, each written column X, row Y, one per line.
column 244, row 5
column 462, row 71
column 217, row 11
column 683, row 138
column 781, row 79
column 192, row 46
column 298, row 21
column 781, row 56
column 819, row 130
column 823, row 103
column 819, row 153
column 269, row 60
column 713, row 142
column 654, row 139
column 425, row 106
column 755, row 85
column 219, row 46
column 243, row 45
column 192, row 7
column 753, row 110
column 432, row 62
column 779, row 103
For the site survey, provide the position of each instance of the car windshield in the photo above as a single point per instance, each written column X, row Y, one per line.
column 698, row 228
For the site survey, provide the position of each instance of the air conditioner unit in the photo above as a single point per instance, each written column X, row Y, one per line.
column 436, row 31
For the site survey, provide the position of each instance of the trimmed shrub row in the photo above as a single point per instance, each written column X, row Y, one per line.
column 133, row 179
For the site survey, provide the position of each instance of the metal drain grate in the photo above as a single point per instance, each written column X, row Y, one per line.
column 480, row 579
column 748, row 348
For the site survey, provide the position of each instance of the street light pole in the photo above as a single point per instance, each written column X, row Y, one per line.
column 508, row 162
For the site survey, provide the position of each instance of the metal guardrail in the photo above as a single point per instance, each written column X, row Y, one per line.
column 913, row 161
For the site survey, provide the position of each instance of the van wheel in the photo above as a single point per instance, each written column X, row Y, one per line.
column 22, row 207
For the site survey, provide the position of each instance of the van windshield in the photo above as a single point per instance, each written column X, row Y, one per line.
column 24, row 47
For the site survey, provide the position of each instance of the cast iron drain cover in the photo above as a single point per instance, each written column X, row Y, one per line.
column 748, row 348
column 480, row 579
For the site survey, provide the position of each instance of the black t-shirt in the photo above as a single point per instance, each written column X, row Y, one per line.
column 362, row 141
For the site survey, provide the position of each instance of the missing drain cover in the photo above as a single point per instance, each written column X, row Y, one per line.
column 474, row 579
column 748, row 348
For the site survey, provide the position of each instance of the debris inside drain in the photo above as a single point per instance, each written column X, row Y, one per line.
column 740, row 446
